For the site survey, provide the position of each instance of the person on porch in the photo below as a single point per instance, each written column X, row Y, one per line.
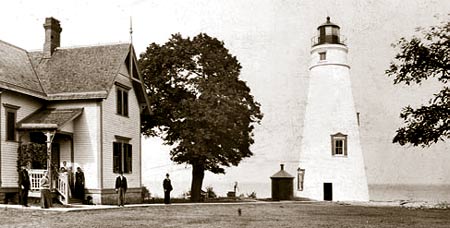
column 46, row 201
column 79, row 184
column 71, row 181
column 63, row 168
column 24, row 185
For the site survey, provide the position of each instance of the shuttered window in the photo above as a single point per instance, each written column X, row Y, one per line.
column 11, row 126
column 10, row 121
column 122, row 157
column 127, row 158
column 117, row 151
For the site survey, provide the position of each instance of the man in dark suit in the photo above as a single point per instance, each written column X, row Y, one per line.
column 24, row 185
column 167, row 188
column 121, row 188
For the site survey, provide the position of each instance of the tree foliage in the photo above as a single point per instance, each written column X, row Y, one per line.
column 198, row 103
column 422, row 57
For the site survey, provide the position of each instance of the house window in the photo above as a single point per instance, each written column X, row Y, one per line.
column 11, row 117
column 122, row 157
column 122, row 101
column 322, row 55
column 339, row 144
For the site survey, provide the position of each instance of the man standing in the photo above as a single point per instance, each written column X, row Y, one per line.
column 167, row 188
column 24, row 185
column 121, row 188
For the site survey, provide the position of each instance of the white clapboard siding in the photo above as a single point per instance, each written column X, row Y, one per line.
column 27, row 106
column 86, row 139
column 117, row 125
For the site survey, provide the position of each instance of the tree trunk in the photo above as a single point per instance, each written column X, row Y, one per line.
column 198, row 172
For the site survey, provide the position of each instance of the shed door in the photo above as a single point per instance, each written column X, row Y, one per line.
column 328, row 191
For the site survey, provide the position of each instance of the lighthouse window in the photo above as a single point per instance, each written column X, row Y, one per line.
column 339, row 144
column 328, row 30
column 322, row 55
column 339, row 147
column 336, row 31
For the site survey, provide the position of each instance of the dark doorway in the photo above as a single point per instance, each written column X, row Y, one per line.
column 55, row 155
column 328, row 191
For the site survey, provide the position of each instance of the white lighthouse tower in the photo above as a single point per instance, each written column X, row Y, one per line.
column 331, row 161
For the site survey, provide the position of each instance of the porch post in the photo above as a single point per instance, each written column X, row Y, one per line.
column 49, row 156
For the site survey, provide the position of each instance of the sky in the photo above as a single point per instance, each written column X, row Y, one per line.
column 271, row 39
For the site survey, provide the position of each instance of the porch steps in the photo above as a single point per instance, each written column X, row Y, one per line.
column 75, row 201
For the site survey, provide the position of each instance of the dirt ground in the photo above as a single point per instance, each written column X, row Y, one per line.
column 283, row 214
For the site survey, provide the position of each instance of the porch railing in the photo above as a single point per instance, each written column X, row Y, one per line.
column 35, row 181
column 62, row 187
column 62, row 184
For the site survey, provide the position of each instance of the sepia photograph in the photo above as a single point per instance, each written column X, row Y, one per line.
column 224, row 113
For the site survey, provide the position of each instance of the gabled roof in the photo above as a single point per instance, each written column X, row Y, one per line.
column 49, row 118
column 16, row 71
column 70, row 73
column 80, row 73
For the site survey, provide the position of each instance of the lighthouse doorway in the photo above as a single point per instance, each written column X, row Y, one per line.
column 328, row 191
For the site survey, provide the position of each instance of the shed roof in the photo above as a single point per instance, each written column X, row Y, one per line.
column 49, row 118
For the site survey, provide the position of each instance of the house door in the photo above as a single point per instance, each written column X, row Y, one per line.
column 328, row 191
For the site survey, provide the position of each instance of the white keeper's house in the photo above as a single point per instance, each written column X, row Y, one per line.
column 85, row 102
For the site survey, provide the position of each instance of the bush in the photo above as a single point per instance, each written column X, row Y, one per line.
column 210, row 192
column 145, row 194
column 252, row 195
column 186, row 195
column 443, row 205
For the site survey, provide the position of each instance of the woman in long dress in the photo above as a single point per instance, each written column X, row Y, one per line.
column 46, row 200
column 79, row 184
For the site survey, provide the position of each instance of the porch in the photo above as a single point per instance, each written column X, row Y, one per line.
column 61, row 184
column 46, row 139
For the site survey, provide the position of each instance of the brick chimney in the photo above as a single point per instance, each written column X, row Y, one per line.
column 52, row 36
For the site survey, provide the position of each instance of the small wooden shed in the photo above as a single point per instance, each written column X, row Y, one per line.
column 282, row 185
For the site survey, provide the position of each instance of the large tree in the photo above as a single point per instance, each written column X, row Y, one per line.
column 421, row 57
column 198, row 104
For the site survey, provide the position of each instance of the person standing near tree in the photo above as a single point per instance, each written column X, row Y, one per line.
column 167, row 185
column 79, row 184
column 24, row 185
column 121, row 189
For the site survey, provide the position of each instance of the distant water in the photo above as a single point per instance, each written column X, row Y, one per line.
column 430, row 193
column 262, row 190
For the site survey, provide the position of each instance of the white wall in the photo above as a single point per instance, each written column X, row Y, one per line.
column 86, row 139
column 27, row 106
column 117, row 125
column 331, row 109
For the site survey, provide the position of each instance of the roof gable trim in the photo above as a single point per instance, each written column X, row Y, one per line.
column 77, row 96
